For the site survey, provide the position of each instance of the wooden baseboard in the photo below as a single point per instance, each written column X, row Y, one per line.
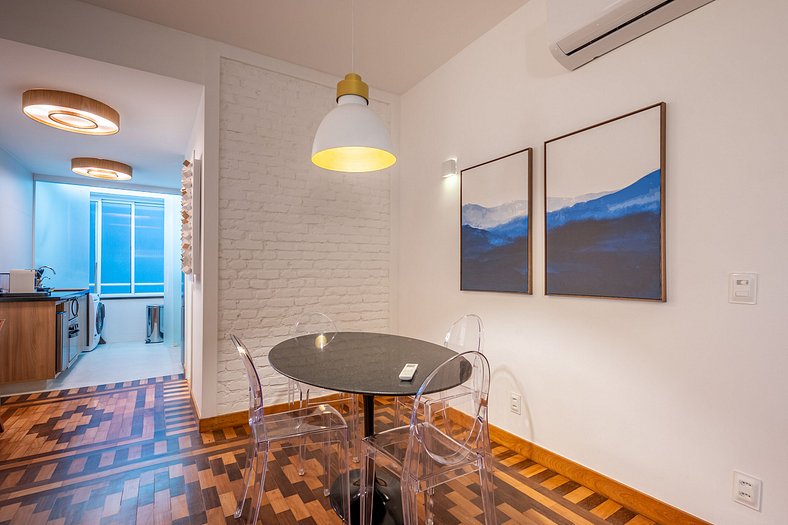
column 634, row 500
column 236, row 419
column 191, row 398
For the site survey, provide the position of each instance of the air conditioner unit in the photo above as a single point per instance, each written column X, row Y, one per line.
column 581, row 30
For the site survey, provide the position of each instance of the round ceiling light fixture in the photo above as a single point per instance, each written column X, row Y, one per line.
column 70, row 112
column 101, row 168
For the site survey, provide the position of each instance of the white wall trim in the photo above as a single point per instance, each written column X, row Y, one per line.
column 105, row 184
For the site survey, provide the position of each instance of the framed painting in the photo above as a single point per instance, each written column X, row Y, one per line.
column 495, row 224
column 605, row 209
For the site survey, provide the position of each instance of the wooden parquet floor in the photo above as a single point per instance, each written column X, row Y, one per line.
column 131, row 453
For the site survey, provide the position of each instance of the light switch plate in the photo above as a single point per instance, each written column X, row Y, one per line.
column 743, row 288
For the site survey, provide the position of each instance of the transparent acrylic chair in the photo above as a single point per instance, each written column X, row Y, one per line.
column 321, row 424
column 466, row 334
column 316, row 330
column 452, row 441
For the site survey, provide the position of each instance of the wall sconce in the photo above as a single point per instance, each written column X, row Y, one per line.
column 449, row 168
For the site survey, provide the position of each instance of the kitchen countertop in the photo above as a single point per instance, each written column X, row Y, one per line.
column 57, row 296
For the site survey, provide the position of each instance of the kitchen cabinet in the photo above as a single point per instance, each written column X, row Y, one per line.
column 28, row 340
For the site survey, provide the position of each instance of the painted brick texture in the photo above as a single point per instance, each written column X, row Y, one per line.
column 292, row 238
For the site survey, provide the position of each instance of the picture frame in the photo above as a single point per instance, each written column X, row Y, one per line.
column 496, row 225
column 604, row 208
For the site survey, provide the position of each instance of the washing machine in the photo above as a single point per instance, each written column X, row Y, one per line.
column 95, row 321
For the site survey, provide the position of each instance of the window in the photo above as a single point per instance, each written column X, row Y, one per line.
column 126, row 245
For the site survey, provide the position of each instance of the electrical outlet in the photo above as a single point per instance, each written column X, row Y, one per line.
column 516, row 403
column 747, row 490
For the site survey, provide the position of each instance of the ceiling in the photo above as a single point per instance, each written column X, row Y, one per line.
column 157, row 115
column 397, row 43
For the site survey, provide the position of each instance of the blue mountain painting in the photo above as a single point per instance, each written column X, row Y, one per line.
column 495, row 248
column 609, row 246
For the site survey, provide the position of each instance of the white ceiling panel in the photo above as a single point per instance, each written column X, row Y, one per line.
column 397, row 43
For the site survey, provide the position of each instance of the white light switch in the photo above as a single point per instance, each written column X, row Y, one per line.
column 743, row 288
column 747, row 490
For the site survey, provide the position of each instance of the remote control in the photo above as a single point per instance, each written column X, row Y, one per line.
column 408, row 371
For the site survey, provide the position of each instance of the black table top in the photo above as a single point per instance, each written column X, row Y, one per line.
column 366, row 363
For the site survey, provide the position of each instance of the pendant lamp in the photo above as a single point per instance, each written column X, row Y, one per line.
column 352, row 137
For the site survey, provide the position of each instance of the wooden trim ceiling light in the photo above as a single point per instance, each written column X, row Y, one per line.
column 70, row 112
column 101, row 168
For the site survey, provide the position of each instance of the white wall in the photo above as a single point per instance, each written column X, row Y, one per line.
column 61, row 237
column 173, row 286
column 667, row 398
column 125, row 320
column 16, row 214
column 293, row 238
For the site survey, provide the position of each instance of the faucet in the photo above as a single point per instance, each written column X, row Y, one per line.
column 40, row 275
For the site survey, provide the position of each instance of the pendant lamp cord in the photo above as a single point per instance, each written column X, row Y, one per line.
column 352, row 36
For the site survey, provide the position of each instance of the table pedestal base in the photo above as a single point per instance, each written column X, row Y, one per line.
column 387, row 506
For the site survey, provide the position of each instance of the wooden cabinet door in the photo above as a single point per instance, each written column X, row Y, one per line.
column 27, row 341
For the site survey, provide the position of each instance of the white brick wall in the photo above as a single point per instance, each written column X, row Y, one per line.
column 292, row 237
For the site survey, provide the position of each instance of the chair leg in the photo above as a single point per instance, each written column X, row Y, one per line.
column 291, row 389
column 262, row 466
column 346, row 480
column 354, row 434
column 367, row 486
column 428, row 505
column 429, row 492
column 303, row 402
column 487, row 488
column 410, row 504
column 327, row 467
column 251, row 456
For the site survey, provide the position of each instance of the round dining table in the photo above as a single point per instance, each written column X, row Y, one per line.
column 368, row 364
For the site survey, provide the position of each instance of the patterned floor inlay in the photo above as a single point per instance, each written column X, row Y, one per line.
column 131, row 453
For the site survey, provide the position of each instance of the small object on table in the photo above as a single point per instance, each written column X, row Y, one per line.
column 408, row 371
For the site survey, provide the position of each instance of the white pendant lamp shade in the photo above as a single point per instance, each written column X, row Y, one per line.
column 352, row 137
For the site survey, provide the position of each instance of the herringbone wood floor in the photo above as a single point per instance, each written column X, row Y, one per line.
column 131, row 453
